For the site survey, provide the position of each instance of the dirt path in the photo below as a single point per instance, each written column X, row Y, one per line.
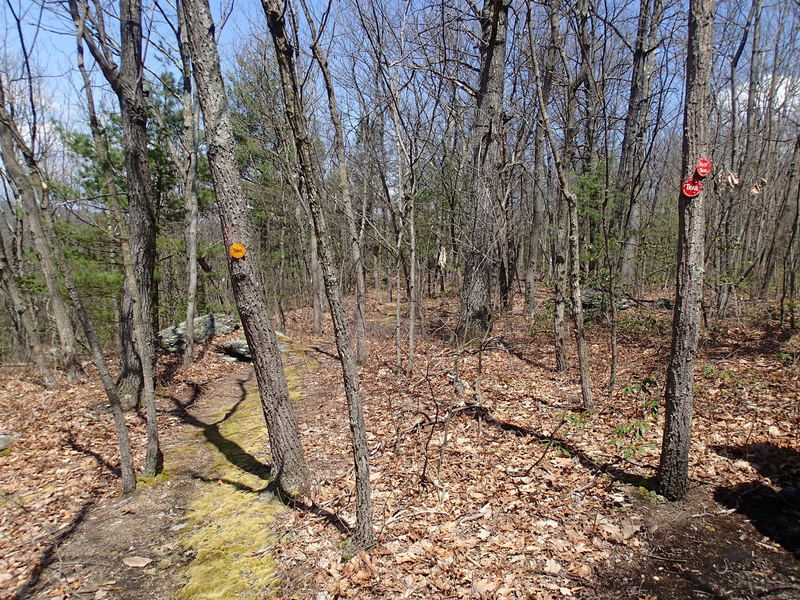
column 195, row 526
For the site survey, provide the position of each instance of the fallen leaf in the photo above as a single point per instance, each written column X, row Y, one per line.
column 552, row 567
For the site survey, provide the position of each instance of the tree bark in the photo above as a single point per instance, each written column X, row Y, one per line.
column 345, row 189
column 673, row 472
column 10, row 142
column 289, row 465
column 153, row 456
column 275, row 11
column 631, row 156
column 475, row 315
column 568, row 205
column 25, row 318
column 127, row 82
column 46, row 230
column 190, row 144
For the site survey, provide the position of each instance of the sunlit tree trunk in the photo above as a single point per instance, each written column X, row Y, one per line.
column 11, row 144
column 308, row 170
column 673, row 472
column 475, row 316
column 289, row 465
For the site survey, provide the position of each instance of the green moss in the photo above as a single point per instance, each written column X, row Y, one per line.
column 231, row 538
column 650, row 495
column 5, row 452
column 143, row 482
column 229, row 529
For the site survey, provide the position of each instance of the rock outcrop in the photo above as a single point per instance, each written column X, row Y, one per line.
column 172, row 339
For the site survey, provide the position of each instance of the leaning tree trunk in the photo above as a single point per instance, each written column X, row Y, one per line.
column 45, row 228
column 24, row 315
column 673, row 471
column 346, row 191
column 308, row 171
column 290, row 470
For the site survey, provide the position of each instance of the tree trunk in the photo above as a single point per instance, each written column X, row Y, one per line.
column 289, row 465
column 673, row 472
column 140, row 319
column 190, row 143
column 127, row 82
column 632, row 154
column 134, row 128
column 25, row 319
column 567, row 218
column 535, row 229
column 316, row 291
column 25, row 191
column 475, row 315
column 308, row 170
column 346, row 191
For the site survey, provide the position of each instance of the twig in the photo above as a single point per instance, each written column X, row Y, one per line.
column 666, row 558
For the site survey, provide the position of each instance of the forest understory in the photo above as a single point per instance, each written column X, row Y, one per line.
column 510, row 491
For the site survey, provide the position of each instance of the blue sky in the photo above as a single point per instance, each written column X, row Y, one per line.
column 50, row 42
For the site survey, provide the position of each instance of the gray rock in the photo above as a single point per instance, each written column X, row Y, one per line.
column 172, row 339
column 595, row 299
column 235, row 348
column 663, row 304
column 239, row 350
column 6, row 439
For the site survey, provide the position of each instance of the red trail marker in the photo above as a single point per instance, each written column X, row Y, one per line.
column 692, row 187
column 703, row 167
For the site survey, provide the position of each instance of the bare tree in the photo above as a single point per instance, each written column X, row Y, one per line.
column 24, row 314
column 141, row 342
column 570, row 201
column 673, row 472
column 276, row 12
column 636, row 120
column 321, row 58
column 11, row 143
column 476, row 310
column 290, row 470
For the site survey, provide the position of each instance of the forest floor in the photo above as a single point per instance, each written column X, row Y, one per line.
column 523, row 496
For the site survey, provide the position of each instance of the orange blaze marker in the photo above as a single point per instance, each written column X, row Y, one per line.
column 237, row 250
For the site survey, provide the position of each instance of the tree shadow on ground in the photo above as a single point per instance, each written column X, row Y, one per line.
column 233, row 452
column 695, row 550
column 723, row 345
column 98, row 458
column 773, row 509
column 271, row 488
column 50, row 556
column 483, row 414
column 243, row 460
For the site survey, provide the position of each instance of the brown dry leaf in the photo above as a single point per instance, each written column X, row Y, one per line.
column 552, row 567
column 629, row 528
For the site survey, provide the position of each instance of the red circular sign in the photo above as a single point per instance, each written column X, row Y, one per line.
column 703, row 167
column 691, row 187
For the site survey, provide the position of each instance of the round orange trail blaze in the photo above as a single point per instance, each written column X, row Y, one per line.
column 237, row 250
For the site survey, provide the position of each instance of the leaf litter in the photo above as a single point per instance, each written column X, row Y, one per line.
column 522, row 496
